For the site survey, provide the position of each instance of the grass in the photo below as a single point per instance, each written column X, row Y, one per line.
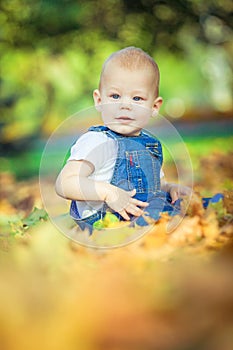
column 27, row 164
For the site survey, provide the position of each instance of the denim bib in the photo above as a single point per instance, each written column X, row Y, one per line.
column 138, row 164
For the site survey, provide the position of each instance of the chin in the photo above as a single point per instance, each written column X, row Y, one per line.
column 125, row 130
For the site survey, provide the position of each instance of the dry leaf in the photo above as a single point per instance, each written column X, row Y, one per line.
column 210, row 226
column 188, row 232
column 228, row 201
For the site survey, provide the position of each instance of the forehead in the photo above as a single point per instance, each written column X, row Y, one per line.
column 114, row 73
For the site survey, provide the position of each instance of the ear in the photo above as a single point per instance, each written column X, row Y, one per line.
column 156, row 106
column 97, row 99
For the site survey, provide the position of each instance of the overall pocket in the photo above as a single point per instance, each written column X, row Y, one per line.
column 143, row 170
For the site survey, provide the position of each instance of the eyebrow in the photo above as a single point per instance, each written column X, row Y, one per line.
column 112, row 87
column 136, row 91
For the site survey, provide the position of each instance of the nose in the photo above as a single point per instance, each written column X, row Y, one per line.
column 125, row 103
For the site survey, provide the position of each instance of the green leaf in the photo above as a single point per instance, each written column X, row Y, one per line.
column 218, row 208
column 21, row 225
column 36, row 216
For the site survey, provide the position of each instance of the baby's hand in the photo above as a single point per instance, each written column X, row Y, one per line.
column 122, row 202
column 177, row 191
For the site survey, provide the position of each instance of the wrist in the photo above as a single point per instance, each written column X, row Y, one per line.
column 169, row 187
column 104, row 191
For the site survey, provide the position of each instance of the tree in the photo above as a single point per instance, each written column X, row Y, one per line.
column 35, row 34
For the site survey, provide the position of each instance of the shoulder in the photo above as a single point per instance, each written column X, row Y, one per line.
column 146, row 133
column 92, row 139
column 93, row 135
column 93, row 146
column 151, row 137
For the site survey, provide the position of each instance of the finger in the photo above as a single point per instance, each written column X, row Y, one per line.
column 132, row 193
column 124, row 215
column 135, row 211
column 174, row 197
column 139, row 203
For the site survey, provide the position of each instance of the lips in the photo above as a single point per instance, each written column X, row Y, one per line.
column 124, row 119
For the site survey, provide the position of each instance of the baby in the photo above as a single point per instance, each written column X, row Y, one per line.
column 117, row 167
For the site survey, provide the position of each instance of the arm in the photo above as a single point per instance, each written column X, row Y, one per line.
column 73, row 182
column 176, row 191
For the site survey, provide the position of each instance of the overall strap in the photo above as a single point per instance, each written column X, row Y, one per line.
column 153, row 144
column 145, row 138
column 115, row 135
column 104, row 129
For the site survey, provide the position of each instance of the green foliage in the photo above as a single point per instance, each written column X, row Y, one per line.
column 197, row 147
column 52, row 53
column 107, row 221
column 20, row 226
column 218, row 208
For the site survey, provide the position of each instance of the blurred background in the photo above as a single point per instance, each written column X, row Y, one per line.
column 168, row 292
column 52, row 53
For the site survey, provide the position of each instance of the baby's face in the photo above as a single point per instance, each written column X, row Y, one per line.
column 127, row 99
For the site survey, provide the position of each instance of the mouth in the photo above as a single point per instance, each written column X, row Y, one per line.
column 124, row 119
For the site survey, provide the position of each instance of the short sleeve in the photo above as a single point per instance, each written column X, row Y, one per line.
column 161, row 173
column 95, row 147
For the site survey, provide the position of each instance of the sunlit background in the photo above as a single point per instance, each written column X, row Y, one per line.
column 52, row 52
column 164, row 291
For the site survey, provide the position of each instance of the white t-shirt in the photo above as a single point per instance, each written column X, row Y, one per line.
column 100, row 150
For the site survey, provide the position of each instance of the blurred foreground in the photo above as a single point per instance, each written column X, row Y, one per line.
column 168, row 291
column 58, row 295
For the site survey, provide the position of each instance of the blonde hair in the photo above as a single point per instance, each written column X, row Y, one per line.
column 133, row 58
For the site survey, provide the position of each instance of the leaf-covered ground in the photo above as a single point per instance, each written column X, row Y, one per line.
column 168, row 290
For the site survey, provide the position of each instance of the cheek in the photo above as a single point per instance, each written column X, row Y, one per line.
column 109, row 110
column 142, row 114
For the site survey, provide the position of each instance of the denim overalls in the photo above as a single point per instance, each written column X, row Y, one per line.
column 138, row 165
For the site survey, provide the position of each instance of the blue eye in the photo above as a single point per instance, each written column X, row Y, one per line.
column 115, row 96
column 137, row 98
